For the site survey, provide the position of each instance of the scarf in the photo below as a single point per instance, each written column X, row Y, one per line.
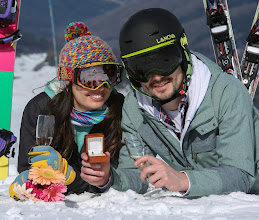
column 88, row 118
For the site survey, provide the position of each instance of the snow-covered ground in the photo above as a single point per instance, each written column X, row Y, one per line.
column 113, row 204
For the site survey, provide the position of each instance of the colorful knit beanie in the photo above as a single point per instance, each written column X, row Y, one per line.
column 82, row 50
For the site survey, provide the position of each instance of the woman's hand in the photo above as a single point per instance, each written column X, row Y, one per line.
column 96, row 174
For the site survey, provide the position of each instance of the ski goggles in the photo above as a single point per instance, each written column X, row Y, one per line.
column 163, row 61
column 93, row 77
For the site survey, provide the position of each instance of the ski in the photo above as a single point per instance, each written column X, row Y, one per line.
column 9, row 34
column 218, row 20
column 250, row 59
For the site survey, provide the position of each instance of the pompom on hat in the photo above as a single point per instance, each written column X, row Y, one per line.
column 81, row 50
column 75, row 30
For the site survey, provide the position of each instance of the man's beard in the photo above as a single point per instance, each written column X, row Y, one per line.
column 167, row 96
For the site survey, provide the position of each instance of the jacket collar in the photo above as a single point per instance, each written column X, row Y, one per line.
column 205, row 113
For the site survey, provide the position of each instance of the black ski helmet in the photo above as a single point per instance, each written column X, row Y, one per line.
column 153, row 40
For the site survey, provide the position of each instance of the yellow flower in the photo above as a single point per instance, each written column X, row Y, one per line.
column 46, row 175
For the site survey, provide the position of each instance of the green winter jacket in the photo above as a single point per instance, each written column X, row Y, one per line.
column 218, row 148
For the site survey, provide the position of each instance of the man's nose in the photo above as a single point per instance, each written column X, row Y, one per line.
column 156, row 77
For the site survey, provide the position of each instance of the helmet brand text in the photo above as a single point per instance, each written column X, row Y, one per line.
column 166, row 38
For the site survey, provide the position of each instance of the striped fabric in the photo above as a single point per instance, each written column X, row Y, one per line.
column 88, row 117
column 163, row 117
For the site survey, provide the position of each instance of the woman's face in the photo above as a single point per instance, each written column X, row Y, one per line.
column 88, row 100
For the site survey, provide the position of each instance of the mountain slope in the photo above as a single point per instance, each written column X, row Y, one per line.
column 105, row 18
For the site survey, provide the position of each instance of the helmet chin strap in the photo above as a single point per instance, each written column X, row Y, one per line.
column 174, row 96
column 161, row 102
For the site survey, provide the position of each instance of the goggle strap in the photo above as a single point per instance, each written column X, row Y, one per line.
column 189, row 68
column 65, row 73
column 95, row 64
column 139, row 90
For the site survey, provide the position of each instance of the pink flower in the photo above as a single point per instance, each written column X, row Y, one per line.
column 36, row 188
column 53, row 193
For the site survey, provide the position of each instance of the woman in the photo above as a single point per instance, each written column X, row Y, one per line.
column 82, row 101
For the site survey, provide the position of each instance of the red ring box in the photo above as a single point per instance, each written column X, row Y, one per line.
column 94, row 148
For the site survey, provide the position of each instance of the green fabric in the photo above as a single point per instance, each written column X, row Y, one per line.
column 218, row 148
column 80, row 135
column 6, row 87
column 49, row 88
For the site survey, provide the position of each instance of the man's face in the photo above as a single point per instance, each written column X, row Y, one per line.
column 164, row 87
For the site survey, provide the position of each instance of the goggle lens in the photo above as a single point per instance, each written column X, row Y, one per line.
column 91, row 77
column 163, row 61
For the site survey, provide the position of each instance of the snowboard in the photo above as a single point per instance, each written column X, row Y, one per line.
column 8, row 39
column 222, row 37
column 250, row 58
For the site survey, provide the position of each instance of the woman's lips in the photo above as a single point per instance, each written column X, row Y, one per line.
column 96, row 97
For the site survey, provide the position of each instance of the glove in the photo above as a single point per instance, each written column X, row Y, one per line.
column 7, row 139
column 46, row 155
column 20, row 179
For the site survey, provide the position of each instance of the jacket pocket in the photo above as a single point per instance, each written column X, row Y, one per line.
column 203, row 138
column 202, row 143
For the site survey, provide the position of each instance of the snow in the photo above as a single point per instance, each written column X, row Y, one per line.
column 112, row 204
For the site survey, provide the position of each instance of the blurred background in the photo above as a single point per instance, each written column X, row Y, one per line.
column 104, row 18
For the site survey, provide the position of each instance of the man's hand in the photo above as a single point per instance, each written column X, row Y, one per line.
column 162, row 175
column 96, row 174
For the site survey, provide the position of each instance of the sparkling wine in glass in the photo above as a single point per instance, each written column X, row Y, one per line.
column 45, row 129
column 135, row 149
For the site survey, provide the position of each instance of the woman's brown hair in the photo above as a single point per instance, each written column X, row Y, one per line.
column 61, row 107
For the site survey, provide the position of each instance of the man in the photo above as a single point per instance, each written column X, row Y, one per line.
column 197, row 123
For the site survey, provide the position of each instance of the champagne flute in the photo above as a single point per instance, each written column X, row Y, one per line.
column 45, row 129
column 135, row 149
